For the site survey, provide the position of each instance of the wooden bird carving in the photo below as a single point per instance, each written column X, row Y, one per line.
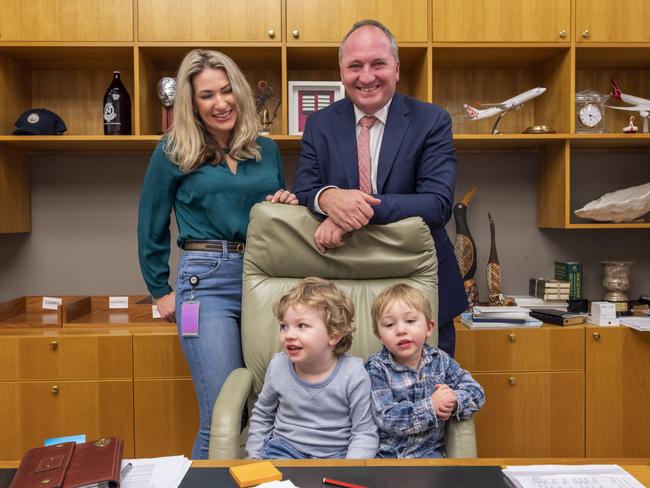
column 494, row 270
column 465, row 248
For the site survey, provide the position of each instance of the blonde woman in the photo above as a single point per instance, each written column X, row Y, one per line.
column 210, row 169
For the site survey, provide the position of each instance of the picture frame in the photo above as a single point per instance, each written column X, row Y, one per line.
column 306, row 97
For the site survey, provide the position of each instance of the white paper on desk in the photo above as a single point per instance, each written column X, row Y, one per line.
column 568, row 476
column 277, row 484
column 161, row 472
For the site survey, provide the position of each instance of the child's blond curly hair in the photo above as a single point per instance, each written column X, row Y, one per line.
column 335, row 307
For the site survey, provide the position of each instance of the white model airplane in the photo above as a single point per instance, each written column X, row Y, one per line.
column 641, row 105
column 500, row 109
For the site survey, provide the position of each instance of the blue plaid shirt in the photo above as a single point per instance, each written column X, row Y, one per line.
column 401, row 402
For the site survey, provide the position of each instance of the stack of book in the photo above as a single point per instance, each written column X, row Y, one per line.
column 571, row 272
column 527, row 301
column 494, row 317
column 549, row 289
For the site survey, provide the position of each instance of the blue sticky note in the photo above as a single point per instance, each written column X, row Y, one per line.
column 79, row 438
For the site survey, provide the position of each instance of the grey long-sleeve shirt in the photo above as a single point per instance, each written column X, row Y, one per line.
column 330, row 419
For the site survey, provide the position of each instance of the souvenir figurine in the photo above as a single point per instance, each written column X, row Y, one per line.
column 465, row 248
column 264, row 94
column 494, row 270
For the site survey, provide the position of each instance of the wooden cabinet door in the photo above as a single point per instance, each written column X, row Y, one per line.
column 531, row 415
column 543, row 349
column 158, row 356
column 315, row 21
column 607, row 21
column 166, row 417
column 33, row 411
column 618, row 392
column 70, row 20
column 209, row 20
column 66, row 357
column 501, row 21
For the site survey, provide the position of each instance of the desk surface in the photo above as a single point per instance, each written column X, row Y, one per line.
column 465, row 473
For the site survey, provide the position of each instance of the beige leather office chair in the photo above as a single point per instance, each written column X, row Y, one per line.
column 280, row 250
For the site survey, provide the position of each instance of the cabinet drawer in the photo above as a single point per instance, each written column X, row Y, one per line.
column 544, row 349
column 168, row 402
column 198, row 20
column 80, row 20
column 309, row 21
column 531, row 415
column 158, row 356
column 65, row 357
column 33, row 411
column 502, row 21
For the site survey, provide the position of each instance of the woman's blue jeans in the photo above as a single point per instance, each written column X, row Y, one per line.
column 216, row 351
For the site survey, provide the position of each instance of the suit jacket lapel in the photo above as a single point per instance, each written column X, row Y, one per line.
column 346, row 140
column 397, row 123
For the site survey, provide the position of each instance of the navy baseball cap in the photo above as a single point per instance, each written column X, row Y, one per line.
column 39, row 122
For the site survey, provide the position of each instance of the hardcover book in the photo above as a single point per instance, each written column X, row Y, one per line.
column 570, row 271
column 557, row 317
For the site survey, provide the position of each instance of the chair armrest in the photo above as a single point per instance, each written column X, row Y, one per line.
column 461, row 438
column 226, row 415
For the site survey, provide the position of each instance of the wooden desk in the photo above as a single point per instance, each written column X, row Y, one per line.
column 637, row 467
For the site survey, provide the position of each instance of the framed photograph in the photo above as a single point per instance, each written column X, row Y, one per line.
column 306, row 97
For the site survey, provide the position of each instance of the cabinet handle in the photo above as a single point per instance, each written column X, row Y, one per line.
column 586, row 34
column 295, row 33
column 271, row 33
column 54, row 345
column 563, row 34
column 596, row 335
column 512, row 380
column 54, row 390
column 512, row 338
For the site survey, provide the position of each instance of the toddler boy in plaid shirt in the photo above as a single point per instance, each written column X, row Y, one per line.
column 416, row 388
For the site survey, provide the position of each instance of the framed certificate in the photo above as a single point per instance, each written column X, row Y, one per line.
column 306, row 97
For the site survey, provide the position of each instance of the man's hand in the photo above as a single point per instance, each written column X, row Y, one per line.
column 283, row 196
column 328, row 235
column 167, row 306
column 348, row 209
column 444, row 401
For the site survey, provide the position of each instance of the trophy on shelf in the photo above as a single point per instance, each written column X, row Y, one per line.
column 264, row 96
column 616, row 280
column 167, row 95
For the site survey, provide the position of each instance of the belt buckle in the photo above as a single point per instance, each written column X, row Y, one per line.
column 240, row 247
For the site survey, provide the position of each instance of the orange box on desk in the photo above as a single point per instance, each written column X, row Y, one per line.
column 255, row 473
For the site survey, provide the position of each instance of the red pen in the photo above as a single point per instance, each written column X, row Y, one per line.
column 330, row 481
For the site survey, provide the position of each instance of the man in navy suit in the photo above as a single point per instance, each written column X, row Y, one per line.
column 378, row 156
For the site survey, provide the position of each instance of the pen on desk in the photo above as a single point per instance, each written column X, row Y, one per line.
column 125, row 470
column 330, row 481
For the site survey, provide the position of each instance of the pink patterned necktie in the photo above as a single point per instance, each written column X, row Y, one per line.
column 363, row 153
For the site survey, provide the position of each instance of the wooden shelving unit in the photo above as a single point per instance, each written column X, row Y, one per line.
column 451, row 52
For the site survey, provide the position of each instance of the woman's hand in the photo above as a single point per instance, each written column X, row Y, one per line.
column 283, row 196
column 167, row 307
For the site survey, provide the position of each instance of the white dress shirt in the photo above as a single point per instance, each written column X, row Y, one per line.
column 376, row 136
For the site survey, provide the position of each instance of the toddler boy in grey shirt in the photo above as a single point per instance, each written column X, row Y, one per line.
column 315, row 402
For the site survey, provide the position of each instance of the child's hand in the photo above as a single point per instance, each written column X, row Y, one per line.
column 444, row 401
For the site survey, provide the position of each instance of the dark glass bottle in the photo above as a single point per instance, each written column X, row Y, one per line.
column 117, row 108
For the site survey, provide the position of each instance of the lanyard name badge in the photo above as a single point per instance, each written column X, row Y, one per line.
column 190, row 311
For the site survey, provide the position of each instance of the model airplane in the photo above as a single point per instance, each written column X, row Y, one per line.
column 500, row 109
column 641, row 105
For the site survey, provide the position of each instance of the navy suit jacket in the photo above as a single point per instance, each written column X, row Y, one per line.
column 415, row 175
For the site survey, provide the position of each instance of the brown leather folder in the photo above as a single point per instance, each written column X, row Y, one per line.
column 69, row 465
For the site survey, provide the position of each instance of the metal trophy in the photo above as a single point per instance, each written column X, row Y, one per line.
column 167, row 95
column 616, row 280
column 264, row 96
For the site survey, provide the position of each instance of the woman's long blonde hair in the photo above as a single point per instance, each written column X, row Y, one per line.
column 189, row 145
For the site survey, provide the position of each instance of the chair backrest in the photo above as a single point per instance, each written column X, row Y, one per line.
column 280, row 250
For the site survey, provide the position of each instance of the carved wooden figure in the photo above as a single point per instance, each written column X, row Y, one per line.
column 465, row 248
column 494, row 270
